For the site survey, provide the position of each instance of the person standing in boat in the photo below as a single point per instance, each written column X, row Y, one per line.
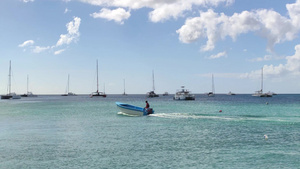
column 147, row 105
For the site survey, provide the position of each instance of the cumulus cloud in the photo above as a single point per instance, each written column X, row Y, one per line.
column 28, row 1
column 267, row 23
column 221, row 54
column 65, row 39
column 39, row 49
column 59, row 51
column 291, row 67
column 161, row 9
column 73, row 32
column 118, row 15
column 26, row 43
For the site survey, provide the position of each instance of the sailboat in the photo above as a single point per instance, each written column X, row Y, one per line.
column 10, row 95
column 28, row 94
column 97, row 93
column 152, row 93
column 212, row 93
column 68, row 93
column 260, row 93
column 124, row 88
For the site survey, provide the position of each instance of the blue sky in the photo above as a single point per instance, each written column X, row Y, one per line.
column 183, row 41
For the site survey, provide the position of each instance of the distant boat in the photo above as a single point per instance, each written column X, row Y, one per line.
column 28, row 94
column 97, row 93
column 68, row 93
column 133, row 110
column 212, row 93
column 166, row 94
column 230, row 93
column 152, row 93
column 183, row 94
column 260, row 93
column 10, row 95
column 124, row 93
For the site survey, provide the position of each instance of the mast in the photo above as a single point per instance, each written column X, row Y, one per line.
column 68, row 83
column 212, row 82
column 153, row 80
column 27, row 84
column 97, row 78
column 9, row 78
column 124, row 87
column 262, row 79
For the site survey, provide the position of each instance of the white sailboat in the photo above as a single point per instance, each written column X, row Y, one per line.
column 68, row 93
column 260, row 93
column 10, row 95
column 212, row 93
column 152, row 93
column 97, row 93
column 28, row 94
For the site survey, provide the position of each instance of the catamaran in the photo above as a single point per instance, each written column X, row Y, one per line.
column 68, row 93
column 10, row 95
column 28, row 94
column 212, row 93
column 152, row 93
column 260, row 93
column 97, row 93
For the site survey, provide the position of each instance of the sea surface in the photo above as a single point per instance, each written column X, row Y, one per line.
column 79, row 132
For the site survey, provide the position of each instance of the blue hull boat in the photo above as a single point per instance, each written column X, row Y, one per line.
column 134, row 110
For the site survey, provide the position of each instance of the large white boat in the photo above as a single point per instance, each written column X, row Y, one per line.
column 10, row 95
column 134, row 110
column 260, row 93
column 68, row 93
column 183, row 94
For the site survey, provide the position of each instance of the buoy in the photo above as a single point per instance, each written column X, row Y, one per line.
column 220, row 111
column 266, row 137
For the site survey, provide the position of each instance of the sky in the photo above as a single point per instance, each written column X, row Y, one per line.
column 183, row 42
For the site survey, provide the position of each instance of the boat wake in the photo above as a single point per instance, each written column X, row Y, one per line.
column 125, row 114
column 229, row 118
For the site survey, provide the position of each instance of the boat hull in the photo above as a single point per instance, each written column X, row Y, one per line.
column 133, row 110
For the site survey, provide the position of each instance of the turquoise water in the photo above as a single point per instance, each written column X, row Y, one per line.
column 82, row 132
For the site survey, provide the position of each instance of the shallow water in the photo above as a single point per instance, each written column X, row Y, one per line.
column 83, row 132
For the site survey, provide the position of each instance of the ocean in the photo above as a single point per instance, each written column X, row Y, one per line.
column 79, row 132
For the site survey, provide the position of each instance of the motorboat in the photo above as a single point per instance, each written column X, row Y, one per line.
column 134, row 110
column 230, row 93
column 166, row 94
column 183, row 94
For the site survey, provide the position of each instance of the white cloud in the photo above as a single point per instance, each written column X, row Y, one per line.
column 291, row 67
column 59, row 52
column 162, row 9
column 267, row 23
column 26, row 43
column 39, row 49
column 67, row 10
column 118, row 15
column 28, row 1
column 221, row 54
column 73, row 32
